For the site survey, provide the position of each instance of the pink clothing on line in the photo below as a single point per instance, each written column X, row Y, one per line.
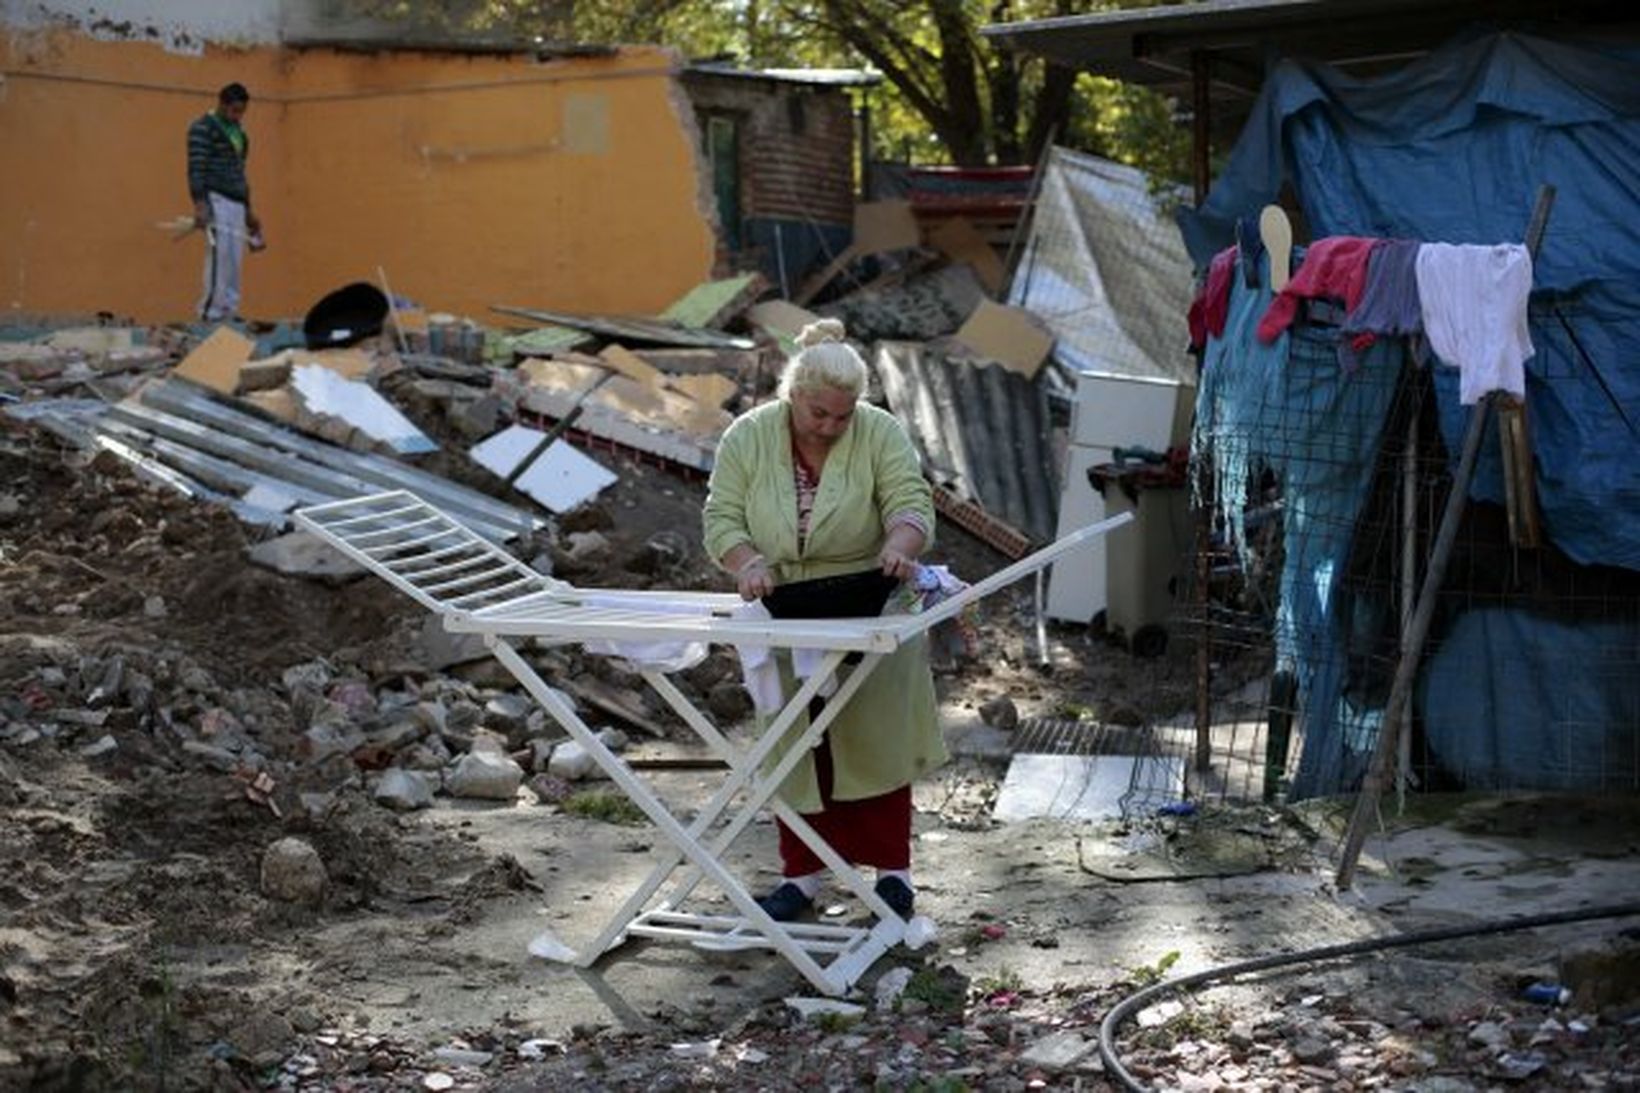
column 1334, row 267
column 1210, row 310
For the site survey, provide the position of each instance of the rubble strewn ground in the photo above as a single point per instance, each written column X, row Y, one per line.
column 204, row 885
column 140, row 952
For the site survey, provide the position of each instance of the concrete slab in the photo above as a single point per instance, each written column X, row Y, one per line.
column 1079, row 787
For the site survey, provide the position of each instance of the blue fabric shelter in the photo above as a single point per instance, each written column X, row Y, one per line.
column 1452, row 148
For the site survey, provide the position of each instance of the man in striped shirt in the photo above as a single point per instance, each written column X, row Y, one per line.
column 217, row 148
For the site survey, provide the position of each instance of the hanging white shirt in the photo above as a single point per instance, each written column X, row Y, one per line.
column 1474, row 302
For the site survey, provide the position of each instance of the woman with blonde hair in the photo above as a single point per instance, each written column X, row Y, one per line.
column 818, row 484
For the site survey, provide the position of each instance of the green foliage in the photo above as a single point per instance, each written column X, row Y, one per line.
column 832, row 1023
column 1146, row 975
column 949, row 95
column 598, row 804
column 1006, row 979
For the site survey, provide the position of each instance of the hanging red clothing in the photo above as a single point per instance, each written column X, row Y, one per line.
column 1210, row 310
column 1334, row 267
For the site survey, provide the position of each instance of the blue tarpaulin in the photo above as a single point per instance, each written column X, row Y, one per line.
column 1451, row 148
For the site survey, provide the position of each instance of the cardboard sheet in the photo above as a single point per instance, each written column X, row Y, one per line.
column 215, row 362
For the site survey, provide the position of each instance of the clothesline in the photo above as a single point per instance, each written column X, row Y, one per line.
column 1468, row 300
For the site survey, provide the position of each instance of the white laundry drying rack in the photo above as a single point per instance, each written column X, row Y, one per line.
column 476, row 587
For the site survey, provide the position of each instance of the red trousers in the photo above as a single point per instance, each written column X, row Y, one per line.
column 871, row 831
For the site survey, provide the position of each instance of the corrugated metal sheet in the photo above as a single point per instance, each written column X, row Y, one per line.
column 177, row 432
column 982, row 430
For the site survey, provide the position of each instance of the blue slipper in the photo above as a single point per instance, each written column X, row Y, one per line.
column 785, row 903
column 898, row 895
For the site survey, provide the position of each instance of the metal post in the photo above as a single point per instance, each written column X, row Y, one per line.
column 1409, row 579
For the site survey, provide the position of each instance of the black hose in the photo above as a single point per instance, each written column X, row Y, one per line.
column 1136, row 1001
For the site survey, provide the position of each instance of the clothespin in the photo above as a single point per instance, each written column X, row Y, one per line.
column 1277, row 233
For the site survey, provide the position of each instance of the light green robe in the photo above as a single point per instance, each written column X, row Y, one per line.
column 888, row 734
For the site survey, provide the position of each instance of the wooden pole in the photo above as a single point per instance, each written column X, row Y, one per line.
column 1406, row 670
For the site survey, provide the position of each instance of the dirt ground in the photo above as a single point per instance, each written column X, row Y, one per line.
column 138, row 951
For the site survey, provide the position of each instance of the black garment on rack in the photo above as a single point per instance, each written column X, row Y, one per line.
column 859, row 595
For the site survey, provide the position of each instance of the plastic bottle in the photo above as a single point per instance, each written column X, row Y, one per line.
column 1547, row 994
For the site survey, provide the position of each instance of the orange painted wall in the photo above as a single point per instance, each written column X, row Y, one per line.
column 572, row 185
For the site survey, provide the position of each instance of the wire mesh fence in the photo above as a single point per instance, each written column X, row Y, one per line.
column 1327, row 472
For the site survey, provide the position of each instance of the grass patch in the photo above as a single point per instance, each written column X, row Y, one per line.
column 943, row 990
column 600, row 804
column 833, row 1023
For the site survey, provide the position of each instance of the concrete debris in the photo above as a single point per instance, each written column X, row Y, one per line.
column 351, row 414
column 403, row 790
column 571, row 762
column 293, row 872
column 1058, row 1051
column 485, row 776
column 299, row 554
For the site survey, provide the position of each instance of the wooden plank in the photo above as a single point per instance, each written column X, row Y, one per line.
column 595, row 692
column 622, row 360
column 710, row 389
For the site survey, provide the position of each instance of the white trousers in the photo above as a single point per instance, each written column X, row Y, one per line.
column 224, row 255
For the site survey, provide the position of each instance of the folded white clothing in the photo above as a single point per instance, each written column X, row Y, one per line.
column 662, row 656
column 1474, row 302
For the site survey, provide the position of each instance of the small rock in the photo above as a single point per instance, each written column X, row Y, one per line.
column 728, row 702
column 154, row 607
column 476, row 418
column 508, row 713
column 462, row 1056
column 9, row 507
column 613, row 739
column 1311, row 1050
column 1490, row 1035
column 438, row 1081
column 486, row 776
column 293, row 871
column 1159, row 1014
column 587, row 548
column 314, row 675
column 571, row 762
column 396, row 736
column 437, row 649
column 1058, row 1051
column 1000, row 713
column 891, row 986
column 403, row 790
column 102, row 746
column 299, row 554
column 220, row 758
